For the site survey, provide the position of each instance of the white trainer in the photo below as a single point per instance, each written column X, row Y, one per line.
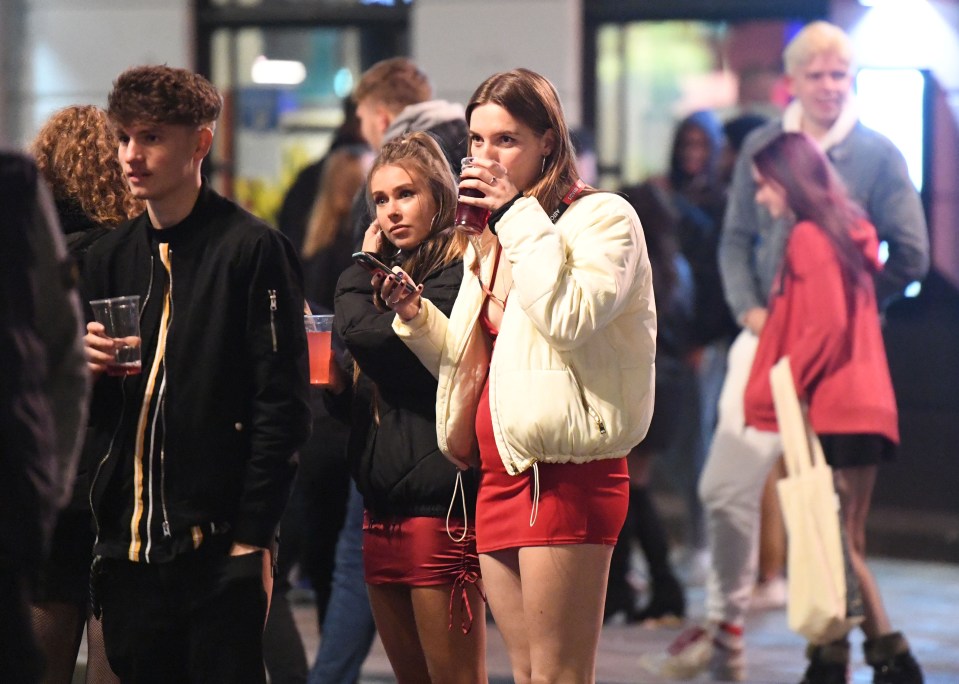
column 716, row 648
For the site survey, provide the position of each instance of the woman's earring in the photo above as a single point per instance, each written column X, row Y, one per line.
column 542, row 169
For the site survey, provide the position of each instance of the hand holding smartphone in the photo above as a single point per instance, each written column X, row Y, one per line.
column 374, row 265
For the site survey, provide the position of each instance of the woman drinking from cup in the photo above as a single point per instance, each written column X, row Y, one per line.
column 545, row 371
column 419, row 548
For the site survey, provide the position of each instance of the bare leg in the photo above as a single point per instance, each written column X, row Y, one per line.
column 855, row 486
column 504, row 590
column 451, row 656
column 393, row 613
column 563, row 592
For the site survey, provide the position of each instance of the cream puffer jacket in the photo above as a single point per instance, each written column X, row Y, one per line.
column 572, row 377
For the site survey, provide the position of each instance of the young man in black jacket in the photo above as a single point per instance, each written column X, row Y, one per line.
column 198, row 450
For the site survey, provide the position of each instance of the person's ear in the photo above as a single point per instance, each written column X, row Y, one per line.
column 548, row 143
column 384, row 117
column 790, row 82
column 203, row 144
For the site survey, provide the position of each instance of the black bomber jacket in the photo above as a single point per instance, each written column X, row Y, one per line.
column 230, row 398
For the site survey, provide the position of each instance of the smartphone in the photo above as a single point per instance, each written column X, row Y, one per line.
column 374, row 265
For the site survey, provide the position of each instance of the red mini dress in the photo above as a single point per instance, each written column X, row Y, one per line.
column 578, row 503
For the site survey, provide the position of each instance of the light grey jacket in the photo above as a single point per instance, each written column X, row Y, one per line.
column 874, row 171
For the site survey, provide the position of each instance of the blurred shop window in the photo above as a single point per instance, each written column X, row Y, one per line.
column 283, row 89
column 255, row 3
column 651, row 74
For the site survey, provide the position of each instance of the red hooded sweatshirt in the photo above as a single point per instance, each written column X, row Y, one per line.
column 832, row 337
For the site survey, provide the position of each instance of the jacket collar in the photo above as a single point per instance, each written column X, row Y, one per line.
column 848, row 118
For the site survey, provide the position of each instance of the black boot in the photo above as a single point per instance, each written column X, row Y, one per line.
column 828, row 664
column 668, row 599
column 891, row 660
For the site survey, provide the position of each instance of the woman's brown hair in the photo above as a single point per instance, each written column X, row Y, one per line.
column 76, row 151
column 814, row 192
column 532, row 99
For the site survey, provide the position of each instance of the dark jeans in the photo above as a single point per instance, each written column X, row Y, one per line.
column 198, row 618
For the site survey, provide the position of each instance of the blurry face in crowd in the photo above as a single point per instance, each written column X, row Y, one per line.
column 374, row 120
column 771, row 195
column 694, row 151
column 496, row 135
column 822, row 86
column 160, row 161
column 404, row 211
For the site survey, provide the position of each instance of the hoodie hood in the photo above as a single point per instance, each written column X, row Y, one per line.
column 848, row 117
column 424, row 116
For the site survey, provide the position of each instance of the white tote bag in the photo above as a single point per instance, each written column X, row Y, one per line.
column 817, row 601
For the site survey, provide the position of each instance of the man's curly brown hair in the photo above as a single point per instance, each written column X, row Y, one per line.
column 159, row 94
column 76, row 152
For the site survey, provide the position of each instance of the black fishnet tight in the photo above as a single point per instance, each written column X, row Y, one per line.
column 58, row 628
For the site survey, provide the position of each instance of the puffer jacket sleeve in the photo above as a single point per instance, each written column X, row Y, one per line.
column 574, row 277
column 369, row 334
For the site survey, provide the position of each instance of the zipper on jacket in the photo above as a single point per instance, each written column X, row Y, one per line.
column 272, row 294
column 146, row 300
column 162, row 408
column 593, row 413
column 163, row 508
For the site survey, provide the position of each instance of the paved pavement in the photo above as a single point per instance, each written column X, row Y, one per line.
column 922, row 600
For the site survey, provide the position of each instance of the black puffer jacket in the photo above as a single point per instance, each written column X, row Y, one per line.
column 396, row 463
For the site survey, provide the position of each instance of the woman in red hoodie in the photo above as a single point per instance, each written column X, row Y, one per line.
column 823, row 316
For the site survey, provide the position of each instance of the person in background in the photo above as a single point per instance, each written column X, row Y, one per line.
column 393, row 97
column 770, row 590
column 696, row 190
column 676, row 387
column 819, row 68
column 545, row 371
column 313, row 216
column 328, row 243
column 198, row 451
column 694, row 163
column 419, row 548
column 76, row 153
column 823, row 317
column 43, row 399
column 300, row 198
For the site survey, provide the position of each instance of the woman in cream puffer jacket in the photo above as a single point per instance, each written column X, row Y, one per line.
column 559, row 284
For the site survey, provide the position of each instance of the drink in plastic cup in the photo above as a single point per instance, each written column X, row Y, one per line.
column 470, row 219
column 319, row 334
column 120, row 317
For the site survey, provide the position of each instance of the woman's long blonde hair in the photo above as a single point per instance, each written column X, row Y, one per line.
column 422, row 158
column 76, row 152
column 341, row 179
